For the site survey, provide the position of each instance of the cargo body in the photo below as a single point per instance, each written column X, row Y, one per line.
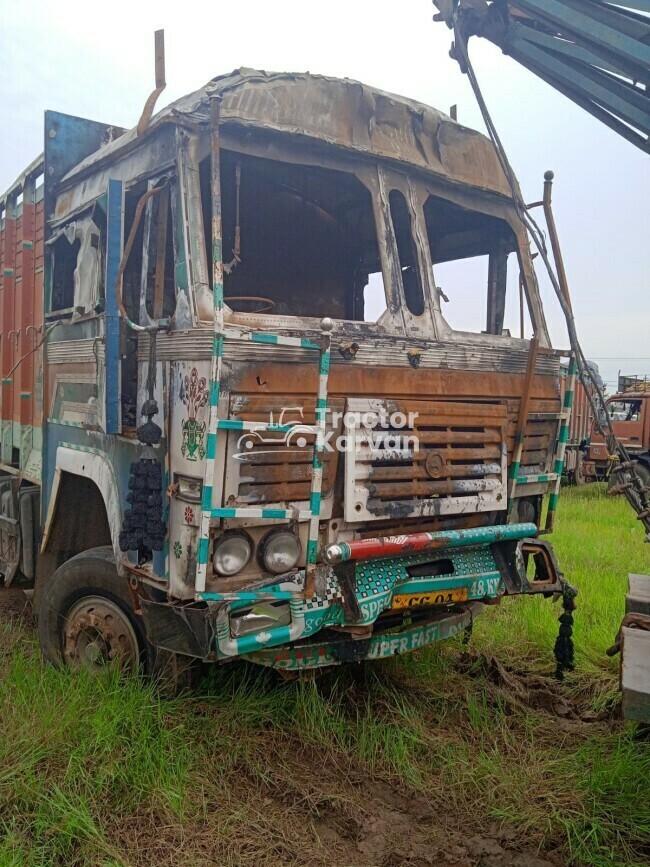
column 580, row 427
column 254, row 408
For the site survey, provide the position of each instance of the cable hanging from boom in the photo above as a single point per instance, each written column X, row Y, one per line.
column 633, row 489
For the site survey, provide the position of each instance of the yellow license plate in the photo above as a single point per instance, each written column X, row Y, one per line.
column 436, row 597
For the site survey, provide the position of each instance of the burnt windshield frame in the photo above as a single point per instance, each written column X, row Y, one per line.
column 407, row 254
column 468, row 226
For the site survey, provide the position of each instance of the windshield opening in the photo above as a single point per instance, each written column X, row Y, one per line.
column 624, row 410
column 308, row 242
column 476, row 270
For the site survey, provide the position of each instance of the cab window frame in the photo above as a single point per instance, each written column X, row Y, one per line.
column 503, row 210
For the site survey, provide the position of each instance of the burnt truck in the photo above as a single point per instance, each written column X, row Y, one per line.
column 629, row 412
column 236, row 420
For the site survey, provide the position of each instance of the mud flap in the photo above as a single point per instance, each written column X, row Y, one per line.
column 183, row 629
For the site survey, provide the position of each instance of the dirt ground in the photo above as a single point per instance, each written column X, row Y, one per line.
column 367, row 822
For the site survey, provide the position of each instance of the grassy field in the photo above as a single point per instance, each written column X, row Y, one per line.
column 452, row 755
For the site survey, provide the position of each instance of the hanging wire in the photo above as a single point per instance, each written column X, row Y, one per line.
column 635, row 491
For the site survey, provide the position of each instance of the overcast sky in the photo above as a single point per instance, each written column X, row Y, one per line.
column 96, row 61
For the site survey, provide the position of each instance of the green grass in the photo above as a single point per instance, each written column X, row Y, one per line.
column 431, row 747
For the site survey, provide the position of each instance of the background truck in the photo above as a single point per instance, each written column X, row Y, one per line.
column 629, row 410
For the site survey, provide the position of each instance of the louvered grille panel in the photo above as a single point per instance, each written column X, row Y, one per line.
column 275, row 468
column 451, row 459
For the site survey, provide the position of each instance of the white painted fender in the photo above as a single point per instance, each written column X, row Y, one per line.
column 97, row 467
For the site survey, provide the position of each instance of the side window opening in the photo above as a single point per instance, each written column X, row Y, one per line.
column 624, row 410
column 407, row 252
column 476, row 270
column 307, row 239
column 78, row 262
column 148, row 281
column 64, row 264
column 158, row 285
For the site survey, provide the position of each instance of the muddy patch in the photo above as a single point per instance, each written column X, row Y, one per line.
column 544, row 695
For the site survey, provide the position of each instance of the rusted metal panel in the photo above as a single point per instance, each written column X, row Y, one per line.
column 581, row 415
column 10, row 329
column 468, row 431
column 504, row 356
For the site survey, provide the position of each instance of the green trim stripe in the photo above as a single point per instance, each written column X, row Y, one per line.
column 531, row 480
column 261, row 337
column 325, row 364
column 77, row 424
column 206, row 498
column 312, row 551
column 248, row 596
column 202, row 551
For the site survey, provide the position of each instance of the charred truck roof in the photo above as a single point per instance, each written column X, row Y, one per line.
column 323, row 110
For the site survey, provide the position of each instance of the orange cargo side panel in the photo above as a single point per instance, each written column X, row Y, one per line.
column 21, row 325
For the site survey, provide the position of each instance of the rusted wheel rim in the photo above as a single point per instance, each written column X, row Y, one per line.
column 98, row 634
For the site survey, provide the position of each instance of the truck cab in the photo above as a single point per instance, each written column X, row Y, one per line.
column 266, row 432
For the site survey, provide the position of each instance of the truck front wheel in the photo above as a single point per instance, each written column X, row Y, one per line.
column 87, row 619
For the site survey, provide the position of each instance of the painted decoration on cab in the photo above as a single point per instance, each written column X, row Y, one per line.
column 194, row 394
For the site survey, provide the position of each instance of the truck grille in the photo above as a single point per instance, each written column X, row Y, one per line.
column 273, row 468
column 450, row 459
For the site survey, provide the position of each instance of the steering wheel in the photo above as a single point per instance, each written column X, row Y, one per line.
column 267, row 303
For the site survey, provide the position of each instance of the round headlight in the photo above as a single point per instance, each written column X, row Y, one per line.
column 231, row 554
column 280, row 551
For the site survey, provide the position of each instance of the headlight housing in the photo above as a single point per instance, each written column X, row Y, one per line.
column 231, row 553
column 280, row 551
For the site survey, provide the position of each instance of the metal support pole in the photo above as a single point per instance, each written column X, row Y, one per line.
column 317, row 462
column 552, row 233
column 217, row 346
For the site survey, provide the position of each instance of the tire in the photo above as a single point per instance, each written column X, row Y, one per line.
column 87, row 618
column 578, row 475
column 641, row 470
column 87, row 621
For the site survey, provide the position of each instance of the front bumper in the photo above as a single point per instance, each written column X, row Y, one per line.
column 445, row 574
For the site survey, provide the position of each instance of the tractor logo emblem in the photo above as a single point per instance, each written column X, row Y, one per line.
column 194, row 394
